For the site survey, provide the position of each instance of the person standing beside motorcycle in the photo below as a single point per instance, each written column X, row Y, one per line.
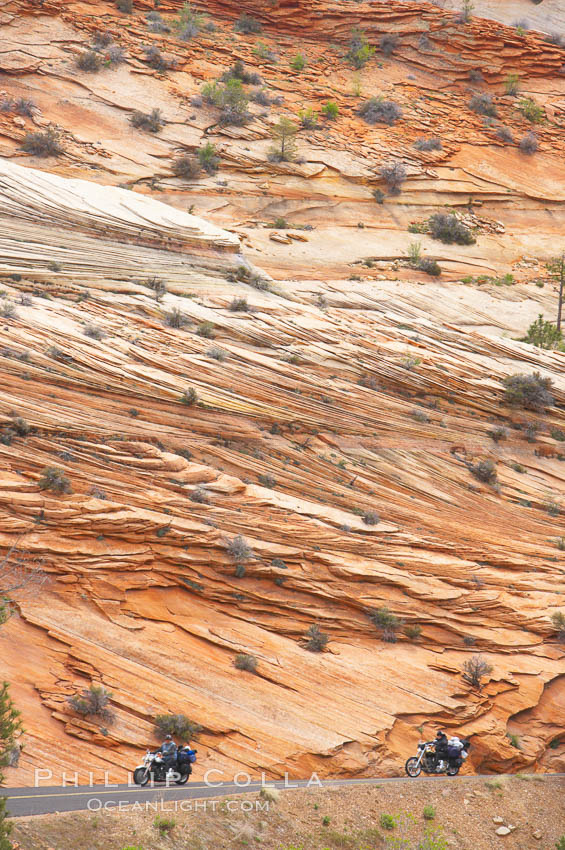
column 169, row 752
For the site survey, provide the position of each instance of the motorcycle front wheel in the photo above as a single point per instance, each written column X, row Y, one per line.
column 452, row 770
column 412, row 767
column 141, row 776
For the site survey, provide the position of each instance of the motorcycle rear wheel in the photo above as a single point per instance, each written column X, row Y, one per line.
column 412, row 767
column 141, row 776
column 452, row 770
column 183, row 779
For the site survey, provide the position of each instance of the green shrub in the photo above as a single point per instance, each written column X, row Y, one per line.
column 164, row 825
column 208, row 158
column 188, row 23
column 387, row 622
column 189, row 397
column 89, row 60
column 429, row 266
column 543, row 334
column 512, row 84
column 371, row 518
column 299, row 62
column 326, row 820
column 413, row 631
column 206, row 330
column 560, row 843
column 514, row 741
column 377, row 110
column 330, row 110
column 482, row 104
column 247, row 25
column 360, row 51
column 177, row 725
column 387, row 822
column 186, row 166
column 531, row 110
column 531, row 392
column 429, row 812
column 55, row 479
column 94, row 702
column 484, row 470
column 239, row 305
column 175, row 318
column 284, row 134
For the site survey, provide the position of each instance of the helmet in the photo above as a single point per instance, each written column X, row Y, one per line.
column 168, row 737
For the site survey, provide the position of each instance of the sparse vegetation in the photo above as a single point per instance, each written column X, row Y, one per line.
column 164, row 825
column 43, row 143
column 531, row 110
column 431, row 144
column 475, row 669
column 413, row 631
column 308, row 118
column 54, row 479
column 330, row 110
column 266, row 480
column 482, row 104
column 429, row 266
column 388, row 44
column 89, row 60
column 95, row 332
column 498, row 433
column 230, row 98
column 543, row 334
column 208, row 158
column 530, row 392
column 387, row 623
column 152, row 121
column 206, row 330
column 504, row 134
column 247, row 25
column 239, row 305
column 315, row 639
column 429, row 812
column 394, row 174
column 360, row 51
column 186, row 166
column 156, row 60
column 125, row 6
column 512, row 84
column 217, row 354
column 558, row 623
column 239, row 549
column 485, row 471
column 529, row 143
column 175, row 318
column 177, row 725
column 299, row 62
column 93, row 702
column 387, row 822
column 188, row 23
column 377, row 110
column 246, row 662
column 371, row 518
column 447, row 228
column 189, row 397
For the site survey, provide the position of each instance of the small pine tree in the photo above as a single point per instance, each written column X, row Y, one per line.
column 543, row 334
column 284, row 133
column 10, row 726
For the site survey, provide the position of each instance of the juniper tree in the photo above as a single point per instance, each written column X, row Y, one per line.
column 284, row 134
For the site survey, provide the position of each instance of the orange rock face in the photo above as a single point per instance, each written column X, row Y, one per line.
column 344, row 384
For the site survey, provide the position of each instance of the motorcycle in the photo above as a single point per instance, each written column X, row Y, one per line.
column 428, row 761
column 153, row 768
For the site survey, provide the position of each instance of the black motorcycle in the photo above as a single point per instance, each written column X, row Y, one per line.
column 428, row 761
column 153, row 769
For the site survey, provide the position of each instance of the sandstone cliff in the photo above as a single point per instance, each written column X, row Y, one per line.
column 349, row 385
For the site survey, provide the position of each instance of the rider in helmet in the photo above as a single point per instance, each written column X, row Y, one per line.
column 169, row 752
column 441, row 748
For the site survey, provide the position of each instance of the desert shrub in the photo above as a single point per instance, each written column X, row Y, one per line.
column 239, row 549
column 474, row 669
column 115, row 55
column 557, row 434
column 552, row 507
column 431, row 144
column 429, row 812
column 94, row 332
column 156, row 60
column 247, row 25
column 388, row 44
column 379, row 196
column 387, row 623
column 266, row 480
column 152, row 121
column 53, row 478
column 360, row 51
column 529, row 143
column 512, row 84
column 543, row 334
column 217, row 354
column 531, row 110
column 89, row 60
column 208, row 158
column 97, row 493
column 484, row 470
column 558, row 623
column 420, row 415
column 413, row 631
column 387, row 822
column 330, row 110
column 20, row 426
column 377, row 110
column 394, row 174
column 164, row 825
column 299, row 62
column 188, row 23
column 47, row 143
column 238, row 71
column 371, row 518
column 482, row 104
column 498, row 433
column 560, row 843
column 189, row 397
column 531, row 392
column 125, row 6
column 102, row 39
column 206, row 330
column 21, row 105
column 155, row 22
column 261, row 96
column 245, row 662
column 264, row 52
column 431, row 267
column 505, row 134
column 231, row 99
column 239, row 305
column 447, row 228
column 308, row 118
column 8, row 310
column 93, row 702
column 315, row 639
column 177, row 725
column 200, row 496
column 284, row 134
column 186, row 166
column 475, row 75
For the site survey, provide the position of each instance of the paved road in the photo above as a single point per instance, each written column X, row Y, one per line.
column 45, row 800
